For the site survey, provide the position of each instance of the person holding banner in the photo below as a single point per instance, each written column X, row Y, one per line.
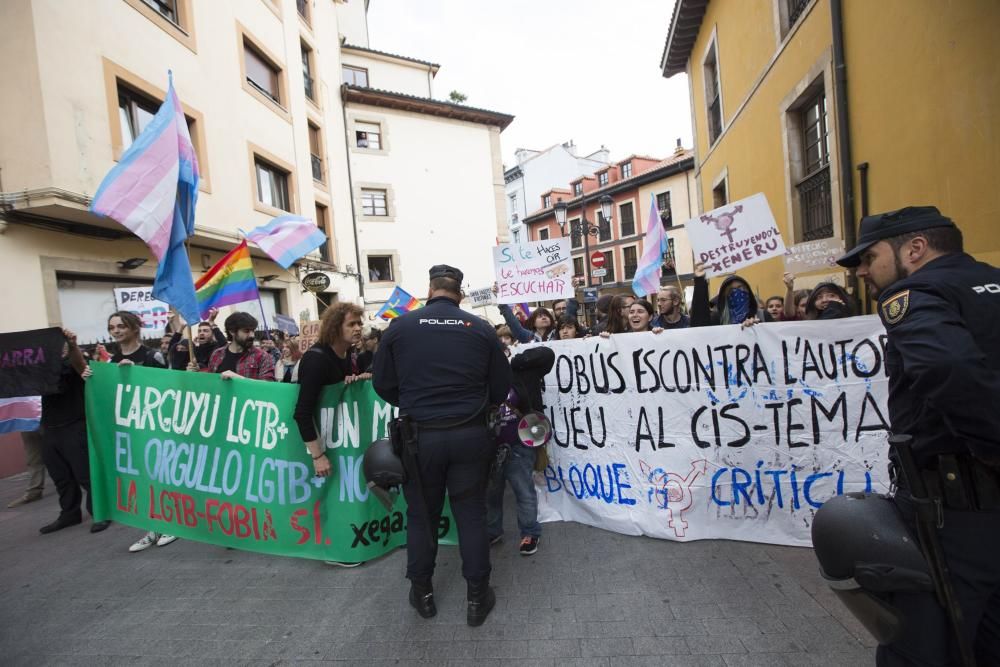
column 734, row 304
column 125, row 328
column 445, row 370
column 670, row 316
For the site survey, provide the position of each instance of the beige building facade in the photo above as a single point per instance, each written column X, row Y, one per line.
column 275, row 128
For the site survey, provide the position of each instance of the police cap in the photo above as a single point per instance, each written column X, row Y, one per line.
column 445, row 271
column 875, row 228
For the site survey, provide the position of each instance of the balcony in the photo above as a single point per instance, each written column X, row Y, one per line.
column 815, row 202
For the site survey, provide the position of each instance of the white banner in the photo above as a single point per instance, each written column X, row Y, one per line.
column 734, row 236
column 715, row 432
column 139, row 300
column 535, row 271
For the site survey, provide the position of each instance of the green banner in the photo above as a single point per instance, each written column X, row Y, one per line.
column 221, row 461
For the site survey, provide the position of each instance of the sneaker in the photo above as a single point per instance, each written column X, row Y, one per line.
column 496, row 540
column 165, row 540
column 337, row 563
column 529, row 545
column 24, row 500
column 146, row 541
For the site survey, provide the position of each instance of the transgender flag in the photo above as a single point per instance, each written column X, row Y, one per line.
column 647, row 275
column 286, row 238
column 21, row 413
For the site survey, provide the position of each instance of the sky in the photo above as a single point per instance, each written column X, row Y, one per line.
column 581, row 70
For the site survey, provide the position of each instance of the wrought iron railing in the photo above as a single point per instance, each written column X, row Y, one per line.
column 815, row 199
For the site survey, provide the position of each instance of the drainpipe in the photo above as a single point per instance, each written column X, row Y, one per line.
column 350, row 189
column 843, row 136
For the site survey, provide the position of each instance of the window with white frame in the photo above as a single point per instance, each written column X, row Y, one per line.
column 373, row 202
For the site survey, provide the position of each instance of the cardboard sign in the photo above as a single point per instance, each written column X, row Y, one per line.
column 30, row 362
column 735, row 236
column 139, row 300
column 818, row 255
column 308, row 334
column 481, row 297
column 535, row 271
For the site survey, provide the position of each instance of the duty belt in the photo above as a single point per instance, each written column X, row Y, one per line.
column 962, row 483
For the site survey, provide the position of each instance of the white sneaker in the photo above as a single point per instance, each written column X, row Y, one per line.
column 165, row 540
column 338, row 563
column 146, row 541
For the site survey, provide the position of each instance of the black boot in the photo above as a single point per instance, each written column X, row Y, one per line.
column 422, row 598
column 64, row 521
column 481, row 602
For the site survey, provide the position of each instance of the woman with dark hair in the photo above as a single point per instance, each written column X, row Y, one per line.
column 325, row 363
column 795, row 300
column 125, row 329
column 828, row 301
column 618, row 314
column 569, row 328
column 639, row 319
column 540, row 325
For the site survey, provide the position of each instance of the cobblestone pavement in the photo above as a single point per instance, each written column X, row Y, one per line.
column 588, row 597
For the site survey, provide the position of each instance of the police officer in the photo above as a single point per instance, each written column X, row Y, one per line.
column 941, row 310
column 445, row 369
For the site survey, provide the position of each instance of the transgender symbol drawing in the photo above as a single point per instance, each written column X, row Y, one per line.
column 671, row 492
column 724, row 221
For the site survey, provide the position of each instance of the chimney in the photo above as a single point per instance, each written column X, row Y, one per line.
column 679, row 149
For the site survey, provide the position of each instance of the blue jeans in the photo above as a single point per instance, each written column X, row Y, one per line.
column 516, row 470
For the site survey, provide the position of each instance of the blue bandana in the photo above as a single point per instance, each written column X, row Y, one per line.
column 738, row 303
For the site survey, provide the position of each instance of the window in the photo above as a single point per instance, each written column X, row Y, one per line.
column 626, row 214
column 135, row 111
column 663, row 206
column 795, row 9
column 578, row 189
column 373, row 202
column 380, row 268
column 368, row 135
column 307, row 76
column 814, row 189
column 629, row 259
column 627, row 170
column 609, row 266
column 578, row 266
column 326, row 249
column 603, row 227
column 316, row 153
column 720, row 194
column 713, row 96
column 602, row 179
column 670, row 259
column 547, row 201
column 355, row 76
column 272, row 185
column 543, row 234
column 303, row 8
column 165, row 8
column 575, row 238
column 261, row 73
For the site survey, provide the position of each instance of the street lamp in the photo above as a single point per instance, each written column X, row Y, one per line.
column 585, row 227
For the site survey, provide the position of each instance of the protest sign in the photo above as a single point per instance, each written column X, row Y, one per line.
column 818, row 255
column 222, row 462
column 286, row 324
column 308, row 334
column 481, row 297
column 536, row 271
column 139, row 300
column 30, row 362
column 716, row 433
column 735, row 236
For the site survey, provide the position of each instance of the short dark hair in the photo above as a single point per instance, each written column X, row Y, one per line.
column 204, row 323
column 238, row 321
column 567, row 321
column 557, row 302
column 447, row 285
column 775, row 298
column 645, row 304
column 946, row 240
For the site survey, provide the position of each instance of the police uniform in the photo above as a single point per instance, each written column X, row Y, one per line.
column 445, row 369
column 943, row 360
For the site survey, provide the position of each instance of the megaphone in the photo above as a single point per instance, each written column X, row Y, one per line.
column 534, row 429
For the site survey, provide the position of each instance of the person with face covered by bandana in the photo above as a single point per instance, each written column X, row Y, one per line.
column 240, row 358
column 734, row 304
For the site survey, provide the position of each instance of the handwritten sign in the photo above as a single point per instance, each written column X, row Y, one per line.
column 818, row 255
column 139, row 300
column 481, row 297
column 222, row 462
column 735, row 236
column 535, row 271
column 308, row 334
column 718, row 432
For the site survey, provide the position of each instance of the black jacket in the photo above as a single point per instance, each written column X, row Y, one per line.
column 702, row 314
column 943, row 357
column 440, row 362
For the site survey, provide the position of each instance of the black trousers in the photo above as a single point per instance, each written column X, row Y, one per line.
column 455, row 461
column 64, row 450
column 971, row 542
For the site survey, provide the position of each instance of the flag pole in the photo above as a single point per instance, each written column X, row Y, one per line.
column 187, row 253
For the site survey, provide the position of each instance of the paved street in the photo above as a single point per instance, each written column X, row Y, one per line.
column 587, row 597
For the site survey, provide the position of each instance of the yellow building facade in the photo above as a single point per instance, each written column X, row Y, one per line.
column 838, row 108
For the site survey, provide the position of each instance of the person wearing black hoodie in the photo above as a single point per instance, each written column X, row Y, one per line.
column 735, row 302
column 828, row 301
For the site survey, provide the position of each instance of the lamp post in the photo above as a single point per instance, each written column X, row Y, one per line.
column 585, row 227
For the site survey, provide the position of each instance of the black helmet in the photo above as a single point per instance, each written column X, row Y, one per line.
column 383, row 469
column 864, row 549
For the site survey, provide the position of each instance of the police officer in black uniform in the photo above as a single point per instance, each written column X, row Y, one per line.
column 941, row 310
column 445, row 369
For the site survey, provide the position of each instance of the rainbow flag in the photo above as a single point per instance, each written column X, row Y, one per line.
column 399, row 302
column 230, row 281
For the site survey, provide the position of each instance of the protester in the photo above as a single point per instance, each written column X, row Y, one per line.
column 565, row 307
column 735, row 302
column 506, row 336
column 540, row 325
column 35, row 463
column 271, row 342
column 795, row 300
column 163, row 354
column 774, row 308
column 64, row 450
column 601, row 313
column 569, row 328
column 529, row 369
column 240, row 358
column 325, row 363
column 828, row 301
column 208, row 338
column 287, row 368
column 639, row 319
column 125, row 329
column 618, row 314
column 670, row 315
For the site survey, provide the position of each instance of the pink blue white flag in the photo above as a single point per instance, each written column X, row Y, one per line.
column 153, row 191
column 286, row 238
column 21, row 413
column 647, row 274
